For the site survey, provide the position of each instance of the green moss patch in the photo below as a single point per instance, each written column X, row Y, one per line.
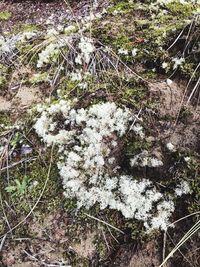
column 5, row 15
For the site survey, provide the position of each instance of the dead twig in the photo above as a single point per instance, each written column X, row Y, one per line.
column 17, row 163
column 101, row 221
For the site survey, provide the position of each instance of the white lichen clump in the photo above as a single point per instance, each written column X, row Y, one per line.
column 171, row 147
column 178, row 62
column 48, row 54
column 4, row 46
column 8, row 44
column 182, row 189
column 122, row 51
column 89, row 165
column 86, row 47
column 144, row 160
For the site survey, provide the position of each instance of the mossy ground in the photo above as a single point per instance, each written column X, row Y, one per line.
column 5, row 15
column 133, row 27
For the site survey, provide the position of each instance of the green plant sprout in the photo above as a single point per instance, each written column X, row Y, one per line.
column 19, row 188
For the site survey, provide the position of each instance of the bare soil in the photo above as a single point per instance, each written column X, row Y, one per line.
column 38, row 12
column 32, row 12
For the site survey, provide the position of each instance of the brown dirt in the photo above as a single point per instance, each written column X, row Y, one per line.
column 38, row 11
column 146, row 257
column 86, row 248
column 29, row 12
column 186, row 136
column 170, row 97
column 5, row 105
column 46, row 243
column 181, row 132
column 26, row 96
column 23, row 100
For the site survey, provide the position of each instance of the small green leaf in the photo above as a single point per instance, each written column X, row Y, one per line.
column 10, row 189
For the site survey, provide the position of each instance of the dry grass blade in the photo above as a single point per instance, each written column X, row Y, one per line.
column 190, row 33
column 2, row 242
column 177, row 38
column 193, row 91
column 185, row 92
column 194, row 229
column 179, row 250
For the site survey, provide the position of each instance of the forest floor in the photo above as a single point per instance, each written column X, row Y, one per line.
column 152, row 67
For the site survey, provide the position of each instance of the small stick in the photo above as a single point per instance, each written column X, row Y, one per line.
column 16, row 163
column 92, row 217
